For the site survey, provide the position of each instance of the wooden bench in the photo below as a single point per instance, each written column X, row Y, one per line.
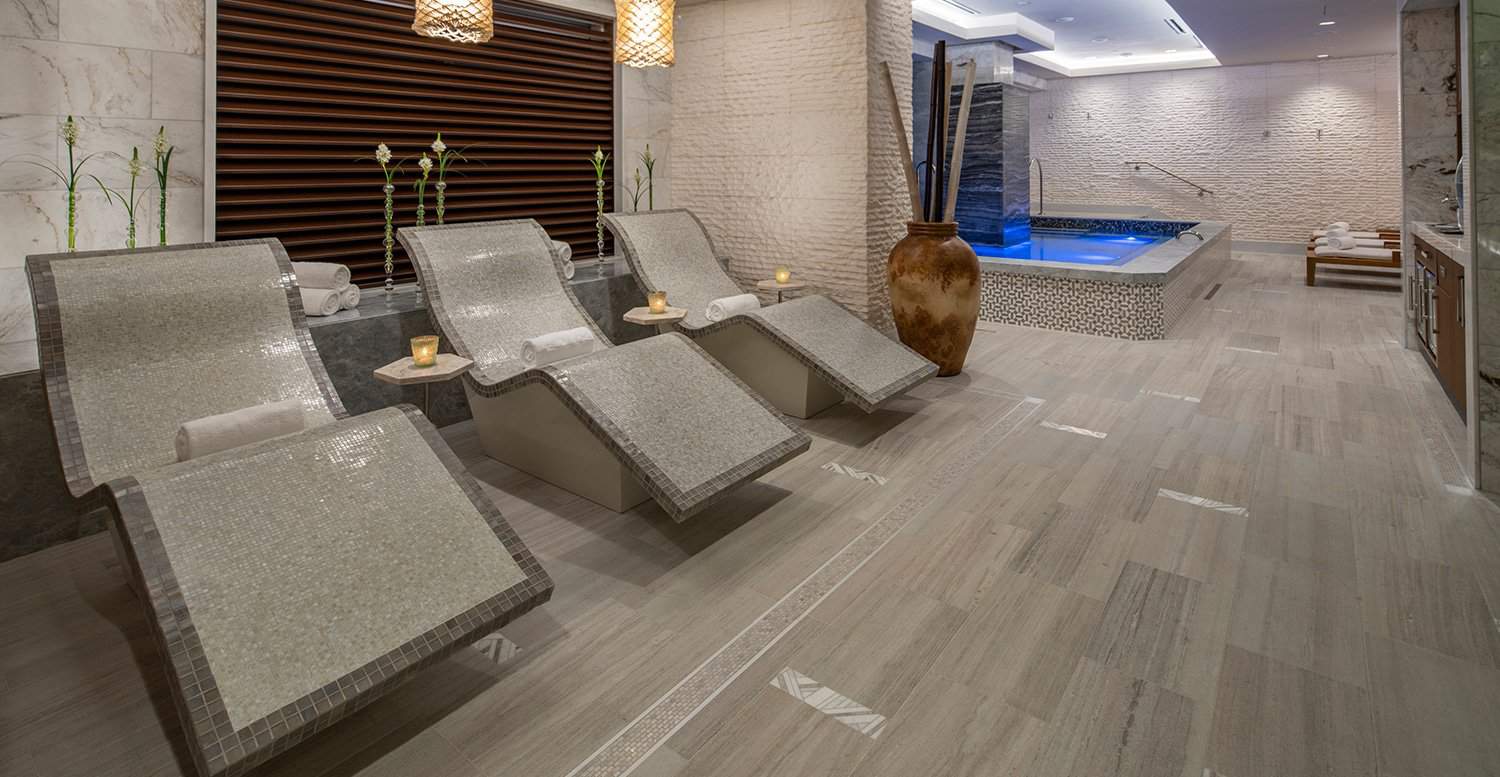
column 1314, row 259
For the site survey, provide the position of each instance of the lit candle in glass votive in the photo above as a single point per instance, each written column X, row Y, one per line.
column 783, row 275
column 657, row 301
column 424, row 350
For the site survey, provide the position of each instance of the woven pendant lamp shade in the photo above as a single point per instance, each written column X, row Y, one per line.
column 643, row 33
column 461, row 21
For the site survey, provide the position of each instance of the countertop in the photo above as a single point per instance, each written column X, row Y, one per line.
column 1456, row 247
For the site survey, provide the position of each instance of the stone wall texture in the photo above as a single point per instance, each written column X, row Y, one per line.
column 781, row 141
column 1285, row 147
column 122, row 69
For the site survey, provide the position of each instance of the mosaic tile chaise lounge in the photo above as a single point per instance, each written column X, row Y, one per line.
column 654, row 418
column 288, row 582
column 805, row 355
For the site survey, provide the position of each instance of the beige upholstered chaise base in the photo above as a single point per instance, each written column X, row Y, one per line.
column 529, row 429
column 771, row 371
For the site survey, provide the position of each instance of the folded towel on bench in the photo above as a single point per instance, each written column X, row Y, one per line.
column 215, row 433
column 556, row 346
column 1354, row 253
column 1359, row 242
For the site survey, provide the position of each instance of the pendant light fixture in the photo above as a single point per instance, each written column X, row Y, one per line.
column 643, row 33
column 461, row 21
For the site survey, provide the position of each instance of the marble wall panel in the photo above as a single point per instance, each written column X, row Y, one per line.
column 29, row 19
column 156, row 25
column 49, row 77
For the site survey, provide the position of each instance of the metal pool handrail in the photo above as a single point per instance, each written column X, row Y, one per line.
column 1201, row 190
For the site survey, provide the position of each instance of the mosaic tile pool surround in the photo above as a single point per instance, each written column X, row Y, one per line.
column 1140, row 300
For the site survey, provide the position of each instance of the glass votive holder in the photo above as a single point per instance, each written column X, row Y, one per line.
column 424, row 350
column 783, row 275
column 656, row 301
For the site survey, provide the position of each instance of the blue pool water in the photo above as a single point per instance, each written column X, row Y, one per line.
column 1096, row 249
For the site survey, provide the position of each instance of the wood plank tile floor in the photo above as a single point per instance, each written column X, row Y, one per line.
column 1246, row 551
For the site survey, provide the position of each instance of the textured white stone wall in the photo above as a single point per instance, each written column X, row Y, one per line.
column 1285, row 147
column 122, row 69
column 773, row 122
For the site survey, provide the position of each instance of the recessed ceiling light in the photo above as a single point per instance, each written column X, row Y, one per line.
column 1170, row 51
column 1102, row 39
column 1327, row 23
column 1065, row 19
column 1322, row 56
column 1127, row 53
column 1022, row 3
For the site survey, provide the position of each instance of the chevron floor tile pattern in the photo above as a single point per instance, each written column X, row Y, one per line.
column 1272, row 565
column 829, row 702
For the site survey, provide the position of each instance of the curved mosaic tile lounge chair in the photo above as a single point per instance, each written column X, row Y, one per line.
column 290, row 582
column 654, row 418
column 805, row 354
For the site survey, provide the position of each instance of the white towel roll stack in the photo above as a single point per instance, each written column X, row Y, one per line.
column 321, row 302
column 554, row 347
column 321, row 275
column 1339, row 226
column 215, row 433
column 729, row 307
column 349, row 297
column 1342, row 242
column 564, row 254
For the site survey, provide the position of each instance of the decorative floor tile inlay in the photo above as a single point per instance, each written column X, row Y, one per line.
column 857, row 474
column 632, row 745
column 1204, row 502
column 497, row 648
column 1250, row 350
column 1165, row 395
column 829, row 702
column 1075, row 430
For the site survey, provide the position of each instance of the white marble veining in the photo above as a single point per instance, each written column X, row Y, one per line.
column 29, row 19
column 29, row 138
column 159, row 25
column 112, row 140
column 48, row 77
column 176, row 86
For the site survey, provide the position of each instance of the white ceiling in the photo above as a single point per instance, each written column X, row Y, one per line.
column 1243, row 33
column 1125, row 36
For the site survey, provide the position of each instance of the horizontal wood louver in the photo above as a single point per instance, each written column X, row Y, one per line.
column 308, row 88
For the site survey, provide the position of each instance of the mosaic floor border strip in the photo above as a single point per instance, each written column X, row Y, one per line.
column 632, row 745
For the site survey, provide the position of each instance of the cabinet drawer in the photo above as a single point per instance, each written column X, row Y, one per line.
column 1450, row 274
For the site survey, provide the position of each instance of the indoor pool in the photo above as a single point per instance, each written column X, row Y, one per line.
column 1097, row 249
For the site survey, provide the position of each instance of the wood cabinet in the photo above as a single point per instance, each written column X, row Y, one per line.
column 1446, row 348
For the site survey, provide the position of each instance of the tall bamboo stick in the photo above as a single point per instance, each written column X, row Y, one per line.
column 905, row 143
column 950, row 209
column 942, row 158
column 932, row 187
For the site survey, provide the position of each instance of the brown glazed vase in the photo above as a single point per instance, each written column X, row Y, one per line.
column 934, row 280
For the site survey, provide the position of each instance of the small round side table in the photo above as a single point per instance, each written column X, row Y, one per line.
column 662, row 321
column 779, row 288
column 403, row 372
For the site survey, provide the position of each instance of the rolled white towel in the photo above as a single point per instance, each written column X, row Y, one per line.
column 1361, row 235
column 1359, row 242
column 321, row 302
column 321, row 275
column 1341, row 242
column 221, row 432
column 1338, row 226
column 728, row 307
column 554, row 347
column 349, row 297
column 564, row 253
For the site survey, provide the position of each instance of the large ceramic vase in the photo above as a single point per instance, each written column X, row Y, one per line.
column 934, row 280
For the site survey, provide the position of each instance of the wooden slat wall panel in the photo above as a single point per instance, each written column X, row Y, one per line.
column 308, row 88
